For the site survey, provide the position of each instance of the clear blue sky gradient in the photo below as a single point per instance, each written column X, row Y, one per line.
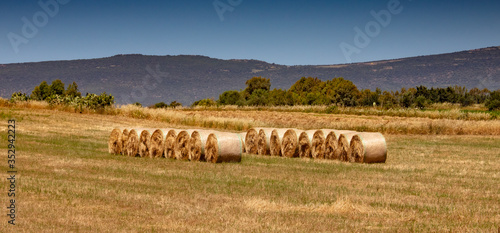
column 283, row 32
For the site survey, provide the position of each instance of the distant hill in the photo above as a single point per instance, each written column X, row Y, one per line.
column 189, row 78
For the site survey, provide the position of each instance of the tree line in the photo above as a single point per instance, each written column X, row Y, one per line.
column 342, row 92
column 57, row 94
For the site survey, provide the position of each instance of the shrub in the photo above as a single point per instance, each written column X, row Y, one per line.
column 493, row 105
column 160, row 105
column 204, row 103
column 18, row 97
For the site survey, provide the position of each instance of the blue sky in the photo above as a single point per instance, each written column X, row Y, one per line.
column 283, row 32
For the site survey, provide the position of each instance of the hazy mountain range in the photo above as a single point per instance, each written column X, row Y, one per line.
column 185, row 78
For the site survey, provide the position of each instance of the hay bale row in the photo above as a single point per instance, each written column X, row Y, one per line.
column 343, row 145
column 193, row 145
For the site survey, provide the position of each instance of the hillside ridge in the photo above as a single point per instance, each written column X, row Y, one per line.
column 150, row 79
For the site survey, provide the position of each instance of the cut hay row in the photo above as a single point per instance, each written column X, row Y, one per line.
column 193, row 145
column 317, row 144
column 214, row 146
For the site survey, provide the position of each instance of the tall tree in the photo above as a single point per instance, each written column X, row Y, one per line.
column 257, row 83
column 57, row 87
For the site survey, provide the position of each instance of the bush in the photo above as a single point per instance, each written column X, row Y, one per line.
column 204, row 103
column 18, row 96
column 493, row 105
column 175, row 104
column 229, row 98
column 160, row 105
column 421, row 102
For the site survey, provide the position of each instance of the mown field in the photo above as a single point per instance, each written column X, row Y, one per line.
column 68, row 182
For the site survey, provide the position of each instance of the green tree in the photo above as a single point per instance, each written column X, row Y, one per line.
column 259, row 97
column 175, row 104
column 257, row 83
column 230, row 98
column 72, row 90
column 493, row 102
column 160, row 105
column 278, row 97
column 421, row 102
column 56, row 88
column 307, row 85
column 341, row 91
column 41, row 92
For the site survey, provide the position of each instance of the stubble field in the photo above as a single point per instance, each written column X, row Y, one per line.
column 68, row 182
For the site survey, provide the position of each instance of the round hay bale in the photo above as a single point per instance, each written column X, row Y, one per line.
column 290, row 142
column 124, row 138
column 332, row 142
column 115, row 142
column 223, row 147
column 158, row 143
column 263, row 141
column 182, row 145
column 344, row 148
column 169, row 144
column 368, row 148
column 318, row 143
column 275, row 141
column 251, row 146
column 145, row 143
column 305, row 139
column 133, row 143
column 197, row 143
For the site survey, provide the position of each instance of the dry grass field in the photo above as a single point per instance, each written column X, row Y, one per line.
column 67, row 182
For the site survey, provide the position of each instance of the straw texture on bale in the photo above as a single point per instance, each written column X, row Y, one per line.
column 145, row 143
column 182, row 145
column 124, row 138
column 133, row 143
column 344, row 148
column 305, row 139
column 169, row 144
column 368, row 148
column 263, row 141
column 290, row 143
column 223, row 147
column 251, row 138
column 115, row 142
column 197, row 144
column 242, row 137
column 158, row 143
column 275, row 141
column 318, row 143
column 332, row 144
